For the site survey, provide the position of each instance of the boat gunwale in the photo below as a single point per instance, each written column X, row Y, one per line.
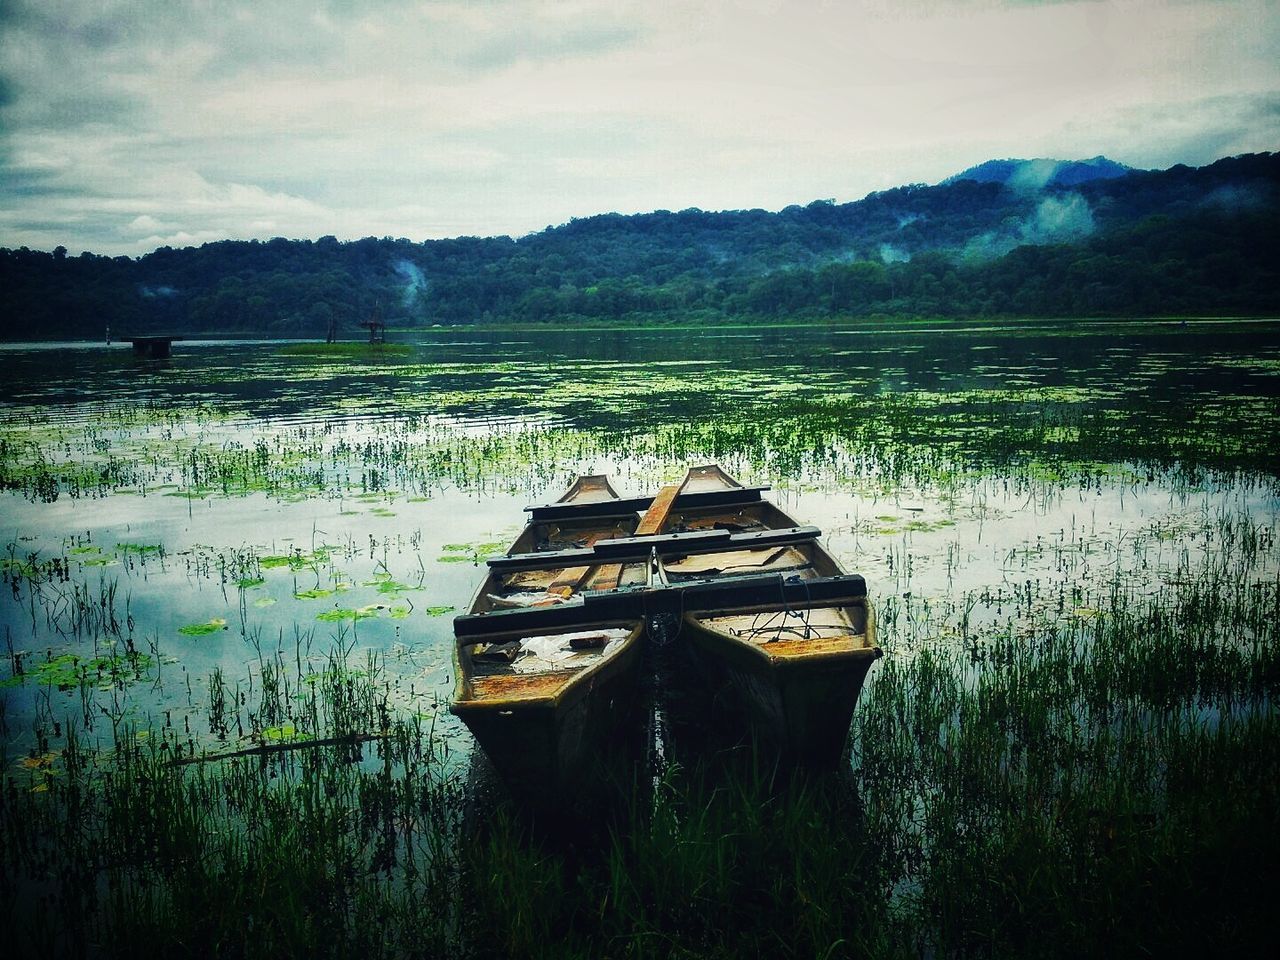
column 465, row 701
column 759, row 652
column 583, row 485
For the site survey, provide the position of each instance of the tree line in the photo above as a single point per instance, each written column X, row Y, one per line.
column 1179, row 241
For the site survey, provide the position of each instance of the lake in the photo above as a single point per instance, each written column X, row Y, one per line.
column 243, row 496
column 192, row 548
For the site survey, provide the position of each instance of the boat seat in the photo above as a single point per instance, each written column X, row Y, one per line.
column 518, row 687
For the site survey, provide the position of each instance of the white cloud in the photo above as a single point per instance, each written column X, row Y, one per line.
column 430, row 119
column 180, row 239
column 147, row 224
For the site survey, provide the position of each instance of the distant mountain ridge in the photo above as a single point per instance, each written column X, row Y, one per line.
column 1043, row 172
column 1042, row 241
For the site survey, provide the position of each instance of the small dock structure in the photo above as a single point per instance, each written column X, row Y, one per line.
column 376, row 326
column 153, row 347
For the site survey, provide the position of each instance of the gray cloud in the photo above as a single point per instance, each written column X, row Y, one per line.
column 1194, row 132
column 19, row 183
column 125, row 124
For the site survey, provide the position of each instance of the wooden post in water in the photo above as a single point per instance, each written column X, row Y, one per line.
column 377, row 326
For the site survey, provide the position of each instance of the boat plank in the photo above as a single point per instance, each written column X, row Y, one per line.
column 795, row 648
column 572, row 578
column 650, row 524
column 656, row 516
column 521, row 686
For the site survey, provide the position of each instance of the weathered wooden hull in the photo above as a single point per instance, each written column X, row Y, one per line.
column 546, row 749
column 801, row 707
column 770, row 615
column 798, row 695
column 545, row 733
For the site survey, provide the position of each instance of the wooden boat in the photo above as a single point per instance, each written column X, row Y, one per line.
column 543, row 699
column 797, row 666
column 548, row 655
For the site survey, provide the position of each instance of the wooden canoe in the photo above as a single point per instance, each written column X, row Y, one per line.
column 548, row 656
column 543, row 703
column 796, row 667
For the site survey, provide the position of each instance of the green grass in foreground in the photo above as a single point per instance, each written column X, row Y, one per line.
column 1103, row 786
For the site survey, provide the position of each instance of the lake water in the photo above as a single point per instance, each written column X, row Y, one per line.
column 179, row 534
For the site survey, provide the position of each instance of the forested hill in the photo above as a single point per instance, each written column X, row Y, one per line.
column 1178, row 241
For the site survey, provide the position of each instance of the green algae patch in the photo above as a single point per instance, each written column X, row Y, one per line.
column 470, row 552
column 248, row 583
column 438, row 611
column 342, row 615
column 141, row 549
column 285, row 733
column 389, row 586
column 294, row 561
column 20, row 568
column 70, row 670
column 347, row 350
column 317, row 593
column 203, row 629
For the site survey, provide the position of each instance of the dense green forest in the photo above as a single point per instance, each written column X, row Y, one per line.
column 1173, row 242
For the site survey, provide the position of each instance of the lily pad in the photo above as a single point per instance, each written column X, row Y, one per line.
column 341, row 614
column 284, row 733
column 204, row 629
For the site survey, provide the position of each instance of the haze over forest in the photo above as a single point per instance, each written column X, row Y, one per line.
column 1006, row 238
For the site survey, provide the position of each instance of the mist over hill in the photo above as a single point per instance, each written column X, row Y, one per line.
column 1005, row 238
column 1040, row 173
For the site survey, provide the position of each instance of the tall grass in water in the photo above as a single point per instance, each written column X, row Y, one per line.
column 1105, row 785
column 711, row 864
column 1110, row 785
column 335, row 849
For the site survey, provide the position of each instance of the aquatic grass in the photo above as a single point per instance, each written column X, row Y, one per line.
column 788, row 421
column 1075, row 755
column 1093, row 779
column 1048, row 795
column 183, row 854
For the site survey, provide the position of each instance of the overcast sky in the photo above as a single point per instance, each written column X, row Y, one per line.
column 129, row 124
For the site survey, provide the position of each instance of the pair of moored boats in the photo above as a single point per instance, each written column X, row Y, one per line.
column 549, row 655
